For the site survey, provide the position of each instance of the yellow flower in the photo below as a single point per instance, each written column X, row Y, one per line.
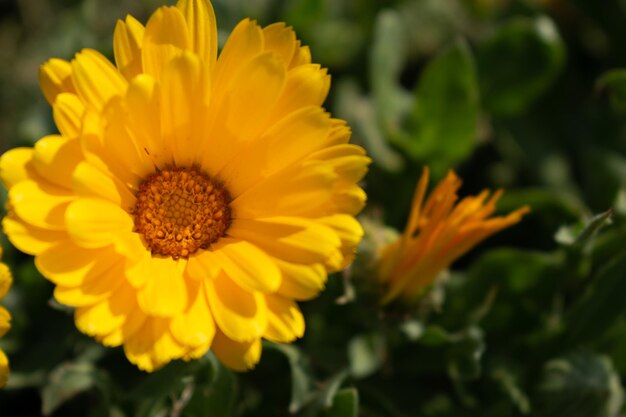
column 437, row 233
column 188, row 201
column 5, row 319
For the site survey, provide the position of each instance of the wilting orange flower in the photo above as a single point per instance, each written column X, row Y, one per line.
column 189, row 200
column 5, row 319
column 437, row 233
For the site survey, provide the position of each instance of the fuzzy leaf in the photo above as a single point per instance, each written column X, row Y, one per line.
column 518, row 62
column 444, row 121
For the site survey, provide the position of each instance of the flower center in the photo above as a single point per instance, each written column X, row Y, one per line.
column 181, row 210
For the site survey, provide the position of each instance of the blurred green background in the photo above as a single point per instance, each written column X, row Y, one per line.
column 527, row 95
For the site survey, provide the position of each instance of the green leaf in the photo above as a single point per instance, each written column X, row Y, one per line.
column 605, row 178
column 602, row 303
column 464, row 356
column 615, row 82
column 444, row 122
column 345, row 404
column 160, row 384
column 366, row 354
column 323, row 398
column 510, row 385
column 549, row 207
column 302, row 391
column 580, row 385
column 331, row 387
column 359, row 111
column 336, row 40
column 215, row 389
column 304, row 12
column 434, row 335
column 387, row 59
column 154, row 391
column 518, row 62
column 514, row 271
column 67, row 381
column 583, row 236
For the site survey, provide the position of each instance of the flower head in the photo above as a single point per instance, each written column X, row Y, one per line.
column 438, row 232
column 188, row 200
column 5, row 319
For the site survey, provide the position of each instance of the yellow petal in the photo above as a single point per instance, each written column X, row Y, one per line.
column 4, row 369
column 239, row 356
column 89, row 181
column 337, row 150
column 247, row 265
column 138, row 272
column 202, row 29
column 96, row 79
column 165, row 291
column 301, row 282
column 125, row 152
column 244, row 43
column 5, row 321
column 133, row 322
column 56, row 157
column 196, row 352
column 284, row 320
column 143, row 124
column 16, row 166
column 68, row 265
column 291, row 239
column 166, row 37
column 195, row 327
column 348, row 161
column 91, row 291
column 113, row 339
column 254, row 92
column 55, row 77
column 280, row 39
column 204, row 264
column 307, row 85
column 184, row 104
column 106, row 316
column 91, row 139
column 131, row 247
column 40, row 204
column 221, row 144
column 97, row 319
column 240, row 314
column 299, row 189
column 30, row 239
column 152, row 346
column 302, row 56
column 95, row 223
column 277, row 148
column 340, row 133
column 349, row 199
column 349, row 231
column 68, row 112
column 166, row 349
column 6, row 279
column 127, row 42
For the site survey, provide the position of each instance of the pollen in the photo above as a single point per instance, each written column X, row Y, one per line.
column 181, row 210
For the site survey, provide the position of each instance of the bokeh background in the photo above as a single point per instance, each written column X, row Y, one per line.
column 525, row 95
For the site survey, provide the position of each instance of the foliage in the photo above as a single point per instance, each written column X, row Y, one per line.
column 527, row 95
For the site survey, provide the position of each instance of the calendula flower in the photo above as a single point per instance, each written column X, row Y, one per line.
column 437, row 233
column 188, row 200
column 5, row 319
